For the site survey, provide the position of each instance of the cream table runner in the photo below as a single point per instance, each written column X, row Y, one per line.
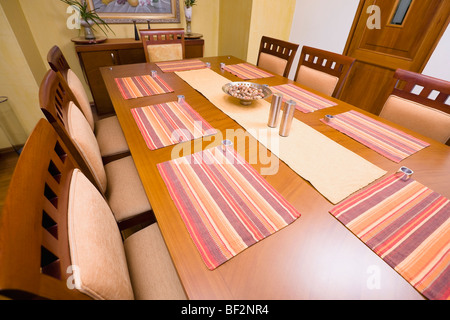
column 332, row 169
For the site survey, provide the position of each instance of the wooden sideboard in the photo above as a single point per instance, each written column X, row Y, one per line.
column 117, row 52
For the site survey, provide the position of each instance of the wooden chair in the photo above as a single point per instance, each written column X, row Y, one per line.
column 59, row 239
column 276, row 55
column 118, row 179
column 323, row 71
column 109, row 134
column 163, row 44
column 425, row 112
column 57, row 61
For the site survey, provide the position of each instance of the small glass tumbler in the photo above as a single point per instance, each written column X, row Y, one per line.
column 405, row 172
column 180, row 98
column 328, row 118
column 154, row 73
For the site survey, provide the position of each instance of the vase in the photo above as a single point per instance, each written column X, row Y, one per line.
column 88, row 33
column 188, row 14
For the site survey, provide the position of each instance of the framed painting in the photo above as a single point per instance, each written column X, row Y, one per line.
column 127, row 11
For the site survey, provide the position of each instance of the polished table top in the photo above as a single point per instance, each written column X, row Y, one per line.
column 315, row 257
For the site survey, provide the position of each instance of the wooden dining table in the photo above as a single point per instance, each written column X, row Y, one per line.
column 316, row 256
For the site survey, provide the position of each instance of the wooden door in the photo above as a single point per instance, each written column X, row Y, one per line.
column 386, row 35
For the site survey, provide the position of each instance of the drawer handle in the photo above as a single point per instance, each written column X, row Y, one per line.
column 113, row 58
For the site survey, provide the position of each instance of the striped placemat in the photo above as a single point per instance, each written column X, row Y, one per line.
column 225, row 204
column 408, row 226
column 247, row 71
column 142, row 86
column 305, row 101
column 389, row 142
column 181, row 65
column 169, row 123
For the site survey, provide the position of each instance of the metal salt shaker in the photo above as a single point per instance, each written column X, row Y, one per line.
column 275, row 108
column 286, row 119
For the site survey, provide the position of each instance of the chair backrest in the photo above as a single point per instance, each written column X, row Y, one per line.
column 34, row 255
column 57, row 61
column 323, row 70
column 57, row 232
column 86, row 144
column 420, row 103
column 55, row 97
column 163, row 44
column 59, row 64
column 276, row 55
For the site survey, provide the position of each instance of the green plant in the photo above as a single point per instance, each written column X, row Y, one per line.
column 189, row 3
column 90, row 16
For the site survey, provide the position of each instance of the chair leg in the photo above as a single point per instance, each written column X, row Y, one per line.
column 143, row 218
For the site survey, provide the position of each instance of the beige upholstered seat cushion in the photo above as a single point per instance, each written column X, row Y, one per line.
column 152, row 272
column 165, row 52
column 317, row 80
column 118, row 180
column 83, row 137
column 110, row 137
column 80, row 94
column 415, row 116
column 125, row 193
column 96, row 247
column 108, row 132
column 272, row 63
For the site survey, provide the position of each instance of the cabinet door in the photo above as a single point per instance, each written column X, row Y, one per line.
column 92, row 61
column 194, row 48
column 130, row 56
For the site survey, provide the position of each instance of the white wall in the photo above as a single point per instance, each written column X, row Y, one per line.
column 325, row 24
column 439, row 64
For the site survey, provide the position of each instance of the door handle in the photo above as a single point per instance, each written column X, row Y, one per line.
column 113, row 58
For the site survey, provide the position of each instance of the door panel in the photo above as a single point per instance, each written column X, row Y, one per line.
column 380, row 51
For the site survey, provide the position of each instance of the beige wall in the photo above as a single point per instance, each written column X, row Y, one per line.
column 17, row 82
column 244, row 22
column 29, row 28
column 269, row 18
column 234, row 29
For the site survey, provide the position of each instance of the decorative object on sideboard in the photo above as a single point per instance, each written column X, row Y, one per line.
column 88, row 18
column 188, row 13
column 136, row 33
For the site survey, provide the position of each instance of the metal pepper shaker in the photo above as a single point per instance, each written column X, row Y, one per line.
column 286, row 119
column 274, row 111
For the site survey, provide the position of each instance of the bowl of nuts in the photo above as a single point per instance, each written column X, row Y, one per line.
column 247, row 92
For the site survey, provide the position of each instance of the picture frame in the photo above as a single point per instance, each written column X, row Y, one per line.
column 139, row 11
